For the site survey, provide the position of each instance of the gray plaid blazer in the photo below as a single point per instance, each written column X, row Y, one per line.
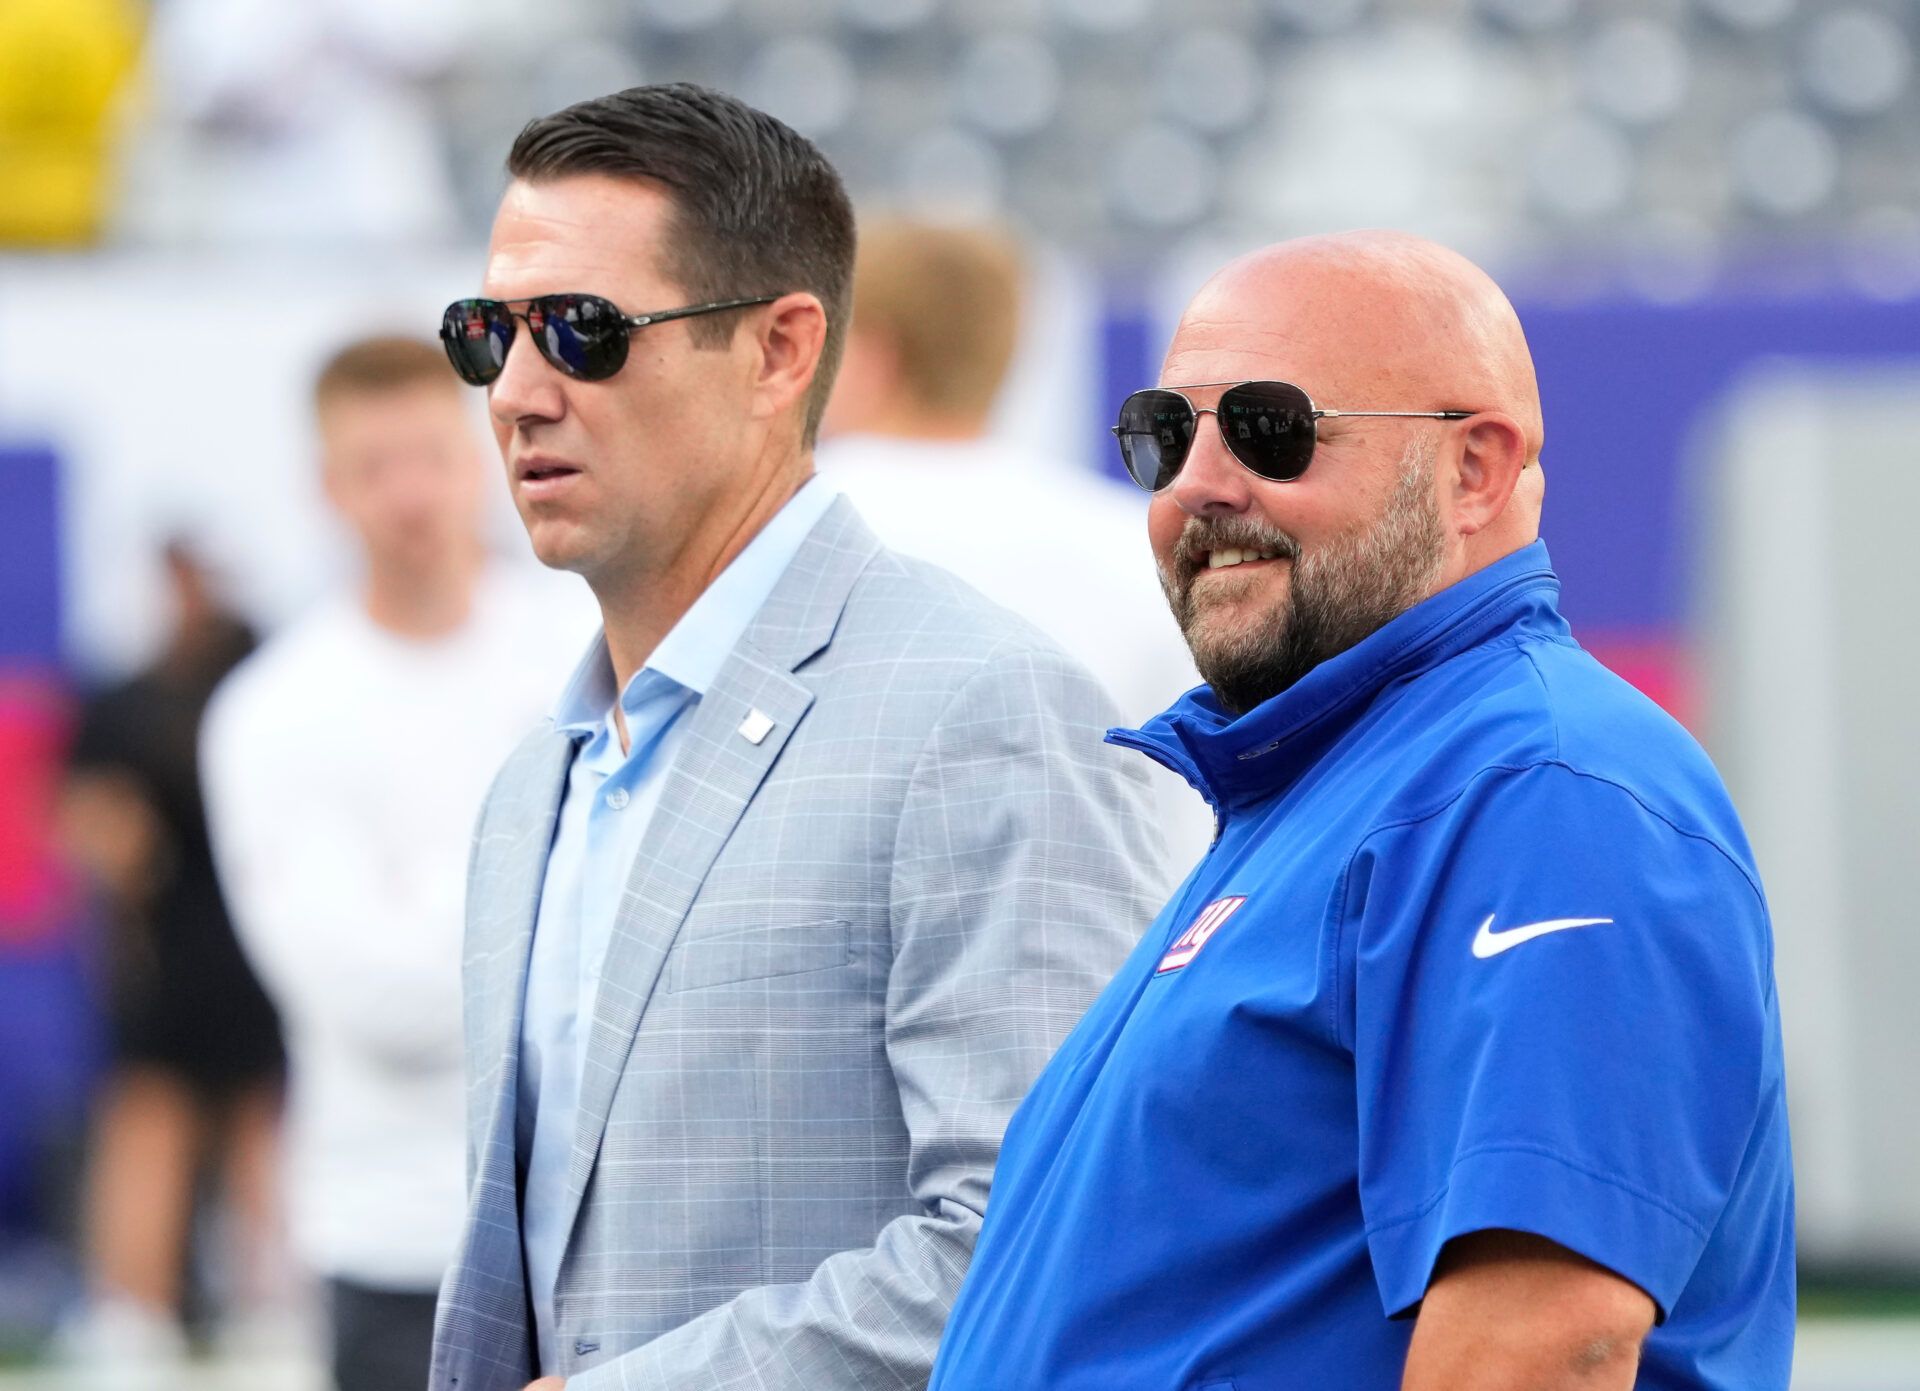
column 844, row 953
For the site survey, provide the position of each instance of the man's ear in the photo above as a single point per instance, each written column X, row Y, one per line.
column 1493, row 454
column 791, row 334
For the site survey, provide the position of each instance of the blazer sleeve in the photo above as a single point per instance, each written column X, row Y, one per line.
column 1026, row 865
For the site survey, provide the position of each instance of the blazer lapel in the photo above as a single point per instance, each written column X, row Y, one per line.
column 511, row 870
column 484, row 1323
column 723, row 758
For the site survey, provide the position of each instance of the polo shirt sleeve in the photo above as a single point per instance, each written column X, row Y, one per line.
column 1596, row 1085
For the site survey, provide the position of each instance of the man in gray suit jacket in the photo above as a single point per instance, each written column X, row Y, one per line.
column 822, row 854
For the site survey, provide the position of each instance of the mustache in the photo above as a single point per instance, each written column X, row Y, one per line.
column 1202, row 535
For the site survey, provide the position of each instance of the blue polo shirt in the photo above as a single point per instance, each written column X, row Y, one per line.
column 1480, row 944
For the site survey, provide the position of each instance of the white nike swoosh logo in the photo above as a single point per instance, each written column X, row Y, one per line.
column 1487, row 942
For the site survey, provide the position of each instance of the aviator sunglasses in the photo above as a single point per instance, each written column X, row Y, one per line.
column 1268, row 426
column 584, row 336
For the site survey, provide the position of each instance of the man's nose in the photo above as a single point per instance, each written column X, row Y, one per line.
column 1211, row 483
column 528, row 387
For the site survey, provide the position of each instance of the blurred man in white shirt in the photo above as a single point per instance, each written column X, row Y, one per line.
column 344, row 764
column 935, row 322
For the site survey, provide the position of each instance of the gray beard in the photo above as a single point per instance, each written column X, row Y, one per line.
column 1337, row 595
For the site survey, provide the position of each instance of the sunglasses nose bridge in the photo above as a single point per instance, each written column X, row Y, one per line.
column 1211, row 479
column 536, row 336
column 515, row 338
column 524, row 384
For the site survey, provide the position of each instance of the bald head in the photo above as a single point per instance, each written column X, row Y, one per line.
column 1376, row 312
column 1372, row 320
column 1393, row 506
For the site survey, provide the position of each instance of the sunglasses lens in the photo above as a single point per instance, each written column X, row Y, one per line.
column 1155, row 430
column 1269, row 428
column 583, row 335
column 476, row 334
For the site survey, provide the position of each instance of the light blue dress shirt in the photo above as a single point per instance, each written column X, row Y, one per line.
column 609, row 800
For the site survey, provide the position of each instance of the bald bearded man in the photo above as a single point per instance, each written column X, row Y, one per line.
column 1455, row 1063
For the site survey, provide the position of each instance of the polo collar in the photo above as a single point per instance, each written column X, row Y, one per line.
column 1234, row 762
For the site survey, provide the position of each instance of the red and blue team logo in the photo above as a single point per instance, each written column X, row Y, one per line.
column 1197, row 936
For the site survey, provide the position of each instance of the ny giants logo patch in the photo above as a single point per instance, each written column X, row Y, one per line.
column 1195, row 937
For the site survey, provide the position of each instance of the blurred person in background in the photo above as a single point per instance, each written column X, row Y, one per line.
column 821, row 854
column 1456, row 1065
column 344, row 764
column 936, row 317
column 196, row 1056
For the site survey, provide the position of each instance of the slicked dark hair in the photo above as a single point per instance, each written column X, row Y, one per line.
column 756, row 207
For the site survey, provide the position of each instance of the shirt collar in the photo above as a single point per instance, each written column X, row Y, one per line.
column 1235, row 761
column 694, row 650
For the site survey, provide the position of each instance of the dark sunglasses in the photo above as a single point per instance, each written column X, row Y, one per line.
column 584, row 336
column 1268, row 426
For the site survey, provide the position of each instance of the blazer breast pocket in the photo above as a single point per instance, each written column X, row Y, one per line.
column 731, row 956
